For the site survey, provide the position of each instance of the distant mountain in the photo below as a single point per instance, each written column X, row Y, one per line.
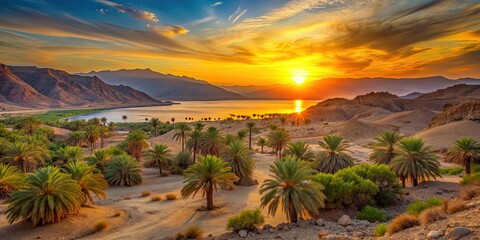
column 454, row 92
column 348, row 87
column 166, row 86
column 45, row 87
column 411, row 95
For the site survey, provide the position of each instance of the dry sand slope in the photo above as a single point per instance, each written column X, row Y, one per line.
column 442, row 137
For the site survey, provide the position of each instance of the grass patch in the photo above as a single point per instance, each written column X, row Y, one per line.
column 455, row 206
column 431, row 215
column 246, row 220
column 451, row 170
column 192, row 232
column 100, row 225
column 469, row 192
column 145, row 193
column 54, row 115
column 472, row 179
column 402, row 222
column 372, row 214
column 380, row 230
column 156, row 198
column 417, row 206
column 171, row 196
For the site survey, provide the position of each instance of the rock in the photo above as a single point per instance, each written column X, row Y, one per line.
column 302, row 223
column 280, row 226
column 242, row 233
column 267, row 226
column 285, row 228
column 344, row 220
column 363, row 222
column 458, row 232
column 272, row 230
column 350, row 229
column 357, row 234
column 258, row 231
column 433, row 235
column 322, row 234
column 319, row 222
column 336, row 237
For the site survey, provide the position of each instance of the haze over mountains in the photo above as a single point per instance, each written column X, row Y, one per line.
column 348, row 87
column 166, row 86
column 44, row 87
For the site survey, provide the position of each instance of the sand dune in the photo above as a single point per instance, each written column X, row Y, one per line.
column 442, row 137
column 406, row 122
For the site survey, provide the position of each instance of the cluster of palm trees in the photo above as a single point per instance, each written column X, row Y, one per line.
column 90, row 131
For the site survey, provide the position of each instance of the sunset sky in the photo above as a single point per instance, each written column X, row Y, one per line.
column 246, row 42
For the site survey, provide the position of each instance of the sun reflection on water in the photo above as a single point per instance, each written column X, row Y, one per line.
column 298, row 106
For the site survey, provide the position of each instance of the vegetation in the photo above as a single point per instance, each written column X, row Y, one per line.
column 384, row 147
column 240, row 160
column 291, row 187
column 415, row 161
column 159, row 156
column 301, row 150
column 402, row 222
column 262, row 142
column 91, row 183
column 454, row 206
column 183, row 159
column 100, row 158
column 171, row 196
column 25, row 156
column 246, row 220
column 54, row 115
column 154, row 122
column 372, row 214
column 91, row 136
column 181, row 132
column 100, row 225
column 156, row 198
column 251, row 127
column 333, row 157
column 123, row 170
column 451, row 170
column 49, row 196
column 192, row 232
column 136, row 143
column 472, row 179
column 380, row 230
column 278, row 139
column 418, row 206
column 211, row 142
column 431, row 215
column 205, row 176
column 145, row 193
column 193, row 143
column 10, row 180
column 464, row 151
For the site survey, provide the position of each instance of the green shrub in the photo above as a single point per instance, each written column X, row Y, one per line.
column 475, row 168
column 451, row 170
column 417, row 206
column 434, row 202
column 471, row 179
column 246, row 220
column 372, row 214
column 380, row 230
column 388, row 187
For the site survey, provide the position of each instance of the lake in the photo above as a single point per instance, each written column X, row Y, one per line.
column 202, row 109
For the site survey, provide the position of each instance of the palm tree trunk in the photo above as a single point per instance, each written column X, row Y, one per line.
column 24, row 166
column 183, row 143
column 91, row 148
column 101, row 141
column 194, row 152
column 160, row 169
column 415, row 181
column 292, row 213
column 403, row 181
column 467, row 165
column 210, row 197
column 262, row 149
column 250, row 140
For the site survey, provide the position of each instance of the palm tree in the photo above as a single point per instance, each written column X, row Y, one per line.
column 384, row 147
column 229, row 138
column 205, row 175
column 183, row 159
column 181, row 131
column 414, row 160
column 198, row 126
column 251, row 126
column 124, row 117
column 292, row 186
column 100, row 158
column 172, row 120
column 283, row 120
column 278, row 139
column 23, row 155
column 104, row 121
column 155, row 122
column 159, row 155
column 194, row 141
column 211, row 142
column 90, row 182
column 76, row 138
column 136, row 142
column 111, row 126
column 72, row 154
column 10, row 180
column 242, row 134
column 49, row 196
column 262, row 142
column 123, row 170
column 30, row 123
column 464, row 152
column 333, row 156
column 103, row 132
column 240, row 160
column 301, row 150
column 91, row 135
column 94, row 121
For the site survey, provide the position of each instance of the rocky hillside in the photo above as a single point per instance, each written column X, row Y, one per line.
column 166, row 86
column 452, row 113
column 45, row 87
column 458, row 91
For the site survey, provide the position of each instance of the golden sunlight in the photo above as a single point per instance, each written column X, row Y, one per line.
column 298, row 106
column 299, row 76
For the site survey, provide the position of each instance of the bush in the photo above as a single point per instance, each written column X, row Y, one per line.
column 145, row 193
column 171, row 196
column 183, row 159
column 372, row 214
column 402, row 222
column 469, row 192
column 156, row 198
column 388, row 187
column 451, row 170
column 100, row 225
column 192, row 232
column 246, row 220
column 431, row 215
column 123, row 170
column 472, row 179
column 417, row 206
column 176, row 171
column 455, row 206
column 380, row 230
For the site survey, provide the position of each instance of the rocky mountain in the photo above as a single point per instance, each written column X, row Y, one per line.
column 45, row 87
column 166, row 86
column 348, row 87
column 458, row 91
column 463, row 111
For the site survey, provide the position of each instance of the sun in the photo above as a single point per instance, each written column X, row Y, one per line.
column 299, row 76
column 298, row 79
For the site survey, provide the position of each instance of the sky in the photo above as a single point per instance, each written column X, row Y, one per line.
column 246, row 42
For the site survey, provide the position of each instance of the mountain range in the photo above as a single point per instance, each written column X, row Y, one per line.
column 166, row 86
column 348, row 87
column 34, row 87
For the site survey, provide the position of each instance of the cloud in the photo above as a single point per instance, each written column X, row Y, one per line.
column 140, row 14
column 216, row 4
column 237, row 14
column 169, row 31
column 463, row 64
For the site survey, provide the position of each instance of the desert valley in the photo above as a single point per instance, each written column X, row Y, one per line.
column 290, row 119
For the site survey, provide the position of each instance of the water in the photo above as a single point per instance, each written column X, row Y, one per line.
column 202, row 109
